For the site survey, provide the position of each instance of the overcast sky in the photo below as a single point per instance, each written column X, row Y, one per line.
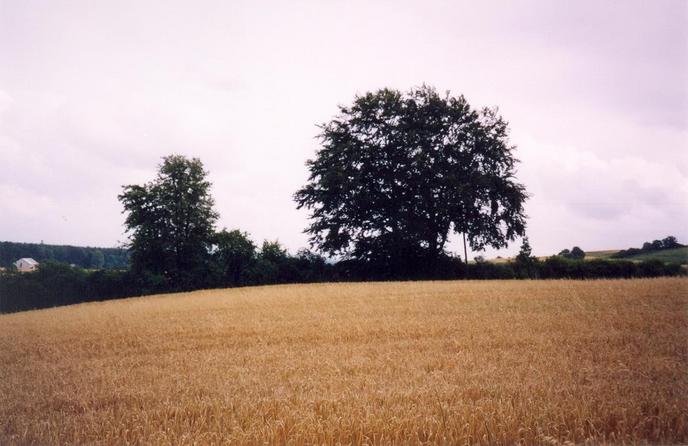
column 94, row 93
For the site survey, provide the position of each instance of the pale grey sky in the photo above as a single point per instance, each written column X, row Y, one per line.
column 94, row 93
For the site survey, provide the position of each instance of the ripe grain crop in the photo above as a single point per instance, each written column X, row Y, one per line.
column 494, row 362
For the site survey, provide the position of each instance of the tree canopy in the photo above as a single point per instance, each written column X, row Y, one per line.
column 233, row 255
column 171, row 221
column 576, row 253
column 398, row 172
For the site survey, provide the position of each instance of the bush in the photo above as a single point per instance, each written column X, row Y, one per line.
column 576, row 253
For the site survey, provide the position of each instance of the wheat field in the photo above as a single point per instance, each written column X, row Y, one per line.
column 462, row 362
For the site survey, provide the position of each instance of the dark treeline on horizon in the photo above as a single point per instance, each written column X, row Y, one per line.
column 55, row 284
column 396, row 175
column 669, row 242
column 82, row 256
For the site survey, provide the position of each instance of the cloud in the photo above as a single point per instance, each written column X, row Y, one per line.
column 92, row 96
column 596, row 201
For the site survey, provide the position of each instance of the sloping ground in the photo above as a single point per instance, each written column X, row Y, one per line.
column 677, row 255
column 490, row 362
column 605, row 254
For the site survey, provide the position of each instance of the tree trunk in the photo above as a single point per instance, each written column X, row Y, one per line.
column 465, row 253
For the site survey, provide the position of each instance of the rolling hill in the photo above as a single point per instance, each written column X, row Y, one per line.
column 675, row 255
column 498, row 362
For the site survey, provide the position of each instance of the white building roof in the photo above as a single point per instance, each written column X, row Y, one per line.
column 28, row 260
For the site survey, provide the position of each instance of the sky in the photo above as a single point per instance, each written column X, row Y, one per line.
column 93, row 94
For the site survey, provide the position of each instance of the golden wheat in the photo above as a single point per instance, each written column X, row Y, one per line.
column 498, row 362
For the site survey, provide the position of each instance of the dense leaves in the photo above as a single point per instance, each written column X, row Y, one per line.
column 171, row 222
column 398, row 172
column 233, row 256
column 575, row 253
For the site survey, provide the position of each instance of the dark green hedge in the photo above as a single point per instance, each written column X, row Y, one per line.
column 57, row 284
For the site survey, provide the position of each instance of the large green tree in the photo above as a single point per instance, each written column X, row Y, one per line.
column 171, row 220
column 398, row 172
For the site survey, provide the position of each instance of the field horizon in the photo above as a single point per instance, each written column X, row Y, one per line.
column 435, row 362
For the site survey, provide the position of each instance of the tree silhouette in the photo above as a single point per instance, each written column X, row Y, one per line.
column 397, row 173
column 170, row 221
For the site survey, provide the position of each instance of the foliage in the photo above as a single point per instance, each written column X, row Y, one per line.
column 266, row 268
column 576, row 253
column 233, row 256
column 398, row 172
column 170, row 221
column 84, row 257
column 669, row 242
column 273, row 252
column 59, row 284
column 674, row 255
column 525, row 253
column 174, row 246
column 311, row 267
column 55, row 284
column 525, row 263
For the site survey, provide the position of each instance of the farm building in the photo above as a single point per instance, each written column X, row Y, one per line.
column 26, row 264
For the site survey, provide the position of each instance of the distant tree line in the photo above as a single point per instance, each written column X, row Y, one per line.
column 55, row 284
column 670, row 242
column 175, row 247
column 575, row 253
column 397, row 174
column 84, row 257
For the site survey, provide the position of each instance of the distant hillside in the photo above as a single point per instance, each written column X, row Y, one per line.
column 675, row 255
column 589, row 255
column 85, row 257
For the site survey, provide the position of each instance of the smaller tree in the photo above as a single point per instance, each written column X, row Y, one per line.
column 577, row 253
column 271, row 262
column 565, row 253
column 233, row 256
column 273, row 252
column 671, row 242
column 311, row 267
column 657, row 245
column 525, row 261
column 525, row 253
